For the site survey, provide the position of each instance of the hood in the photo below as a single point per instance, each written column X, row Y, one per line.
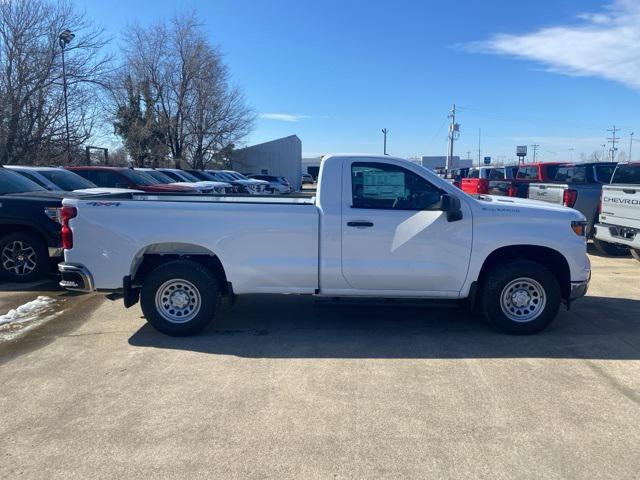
column 40, row 195
column 534, row 208
column 168, row 188
column 103, row 190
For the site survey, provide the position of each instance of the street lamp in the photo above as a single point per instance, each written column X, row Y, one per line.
column 384, row 132
column 64, row 39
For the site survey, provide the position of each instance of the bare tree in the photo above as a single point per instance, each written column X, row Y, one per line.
column 31, row 100
column 197, row 108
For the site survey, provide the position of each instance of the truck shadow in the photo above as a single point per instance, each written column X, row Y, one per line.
column 276, row 327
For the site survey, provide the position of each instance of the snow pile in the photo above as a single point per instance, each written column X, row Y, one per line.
column 27, row 310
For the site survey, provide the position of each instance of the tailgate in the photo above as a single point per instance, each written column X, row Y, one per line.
column 547, row 192
column 621, row 205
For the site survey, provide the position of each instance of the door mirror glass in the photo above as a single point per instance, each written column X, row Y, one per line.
column 451, row 206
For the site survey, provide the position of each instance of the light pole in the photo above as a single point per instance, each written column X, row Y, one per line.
column 64, row 39
column 384, row 132
column 630, row 144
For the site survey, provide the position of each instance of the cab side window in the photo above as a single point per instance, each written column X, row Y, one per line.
column 391, row 187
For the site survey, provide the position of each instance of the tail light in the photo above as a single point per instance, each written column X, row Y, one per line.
column 482, row 186
column 512, row 191
column 569, row 197
column 600, row 204
column 66, row 214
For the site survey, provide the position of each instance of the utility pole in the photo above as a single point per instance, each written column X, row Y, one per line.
column 454, row 132
column 571, row 150
column 384, row 132
column 613, row 140
column 535, row 147
column 479, row 144
column 604, row 150
column 468, row 155
column 630, row 144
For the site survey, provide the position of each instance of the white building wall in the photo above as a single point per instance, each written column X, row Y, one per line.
column 281, row 157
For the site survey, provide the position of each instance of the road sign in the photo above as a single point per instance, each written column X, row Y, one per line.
column 521, row 150
column 487, row 160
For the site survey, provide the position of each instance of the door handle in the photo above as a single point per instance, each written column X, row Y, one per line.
column 360, row 224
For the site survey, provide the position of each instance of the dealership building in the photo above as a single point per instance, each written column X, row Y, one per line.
column 281, row 157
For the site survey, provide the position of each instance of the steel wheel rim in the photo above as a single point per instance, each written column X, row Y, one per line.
column 19, row 258
column 178, row 300
column 523, row 300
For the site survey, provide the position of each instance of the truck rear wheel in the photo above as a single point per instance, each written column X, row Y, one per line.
column 635, row 253
column 611, row 249
column 23, row 257
column 521, row 297
column 180, row 298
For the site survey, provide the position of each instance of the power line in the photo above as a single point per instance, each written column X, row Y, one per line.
column 535, row 147
column 613, row 140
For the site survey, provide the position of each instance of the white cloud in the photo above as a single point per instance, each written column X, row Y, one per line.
column 605, row 45
column 283, row 117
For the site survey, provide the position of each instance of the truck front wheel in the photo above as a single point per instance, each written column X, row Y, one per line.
column 180, row 297
column 521, row 297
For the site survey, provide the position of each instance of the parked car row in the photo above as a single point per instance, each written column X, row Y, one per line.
column 31, row 199
column 606, row 193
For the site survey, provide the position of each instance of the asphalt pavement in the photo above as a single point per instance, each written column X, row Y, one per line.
column 282, row 387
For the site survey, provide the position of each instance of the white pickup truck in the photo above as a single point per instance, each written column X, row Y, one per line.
column 380, row 227
column 620, row 209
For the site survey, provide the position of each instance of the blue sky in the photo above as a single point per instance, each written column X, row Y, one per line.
column 553, row 72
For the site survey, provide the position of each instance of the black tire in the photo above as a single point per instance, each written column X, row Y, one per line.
column 205, row 285
column 31, row 259
column 611, row 249
column 635, row 253
column 501, row 277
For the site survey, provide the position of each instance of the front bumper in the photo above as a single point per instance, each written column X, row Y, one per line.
column 579, row 289
column 76, row 278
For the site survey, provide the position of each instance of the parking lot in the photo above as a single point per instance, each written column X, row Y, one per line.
column 284, row 388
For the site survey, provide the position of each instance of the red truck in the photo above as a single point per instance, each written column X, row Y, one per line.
column 525, row 175
column 477, row 180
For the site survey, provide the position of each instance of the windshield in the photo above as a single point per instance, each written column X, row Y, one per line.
column 67, row 180
column 225, row 177
column 627, row 174
column 604, row 173
column 139, row 178
column 12, row 182
column 577, row 174
column 159, row 176
column 188, row 176
column 236, row 175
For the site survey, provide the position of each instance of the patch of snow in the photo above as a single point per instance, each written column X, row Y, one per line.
column 27, row 311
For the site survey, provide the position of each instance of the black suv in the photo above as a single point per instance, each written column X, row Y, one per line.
column 29, row 230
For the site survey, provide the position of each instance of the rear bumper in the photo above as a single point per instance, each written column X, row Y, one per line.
column 76, row 278
column 616, row 234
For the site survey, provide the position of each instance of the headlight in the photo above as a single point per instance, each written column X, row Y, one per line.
column 579, row 228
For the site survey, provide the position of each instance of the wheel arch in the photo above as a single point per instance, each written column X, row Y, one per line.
column 154, row 255
column 552, row 259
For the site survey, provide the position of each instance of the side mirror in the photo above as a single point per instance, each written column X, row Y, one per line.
column 451, row 206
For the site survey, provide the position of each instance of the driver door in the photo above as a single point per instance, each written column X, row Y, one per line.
column 394, row 235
